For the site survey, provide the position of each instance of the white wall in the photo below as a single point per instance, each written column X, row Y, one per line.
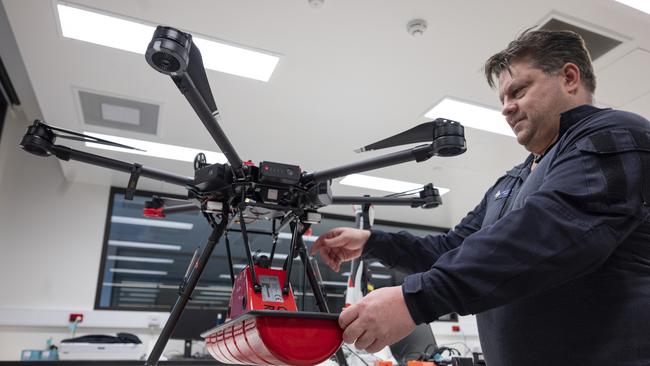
column 51, row 234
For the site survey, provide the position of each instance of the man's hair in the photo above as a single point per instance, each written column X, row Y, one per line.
column 548, row 51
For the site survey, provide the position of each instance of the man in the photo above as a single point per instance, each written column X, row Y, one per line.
column 555, row 260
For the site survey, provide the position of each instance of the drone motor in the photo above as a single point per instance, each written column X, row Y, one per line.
column 38, row 140
column 169, row 51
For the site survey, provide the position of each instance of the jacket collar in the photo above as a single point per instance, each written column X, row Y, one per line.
column 575, row 115
column 569, row 119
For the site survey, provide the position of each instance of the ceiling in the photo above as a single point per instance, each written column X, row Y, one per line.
column 349, row 74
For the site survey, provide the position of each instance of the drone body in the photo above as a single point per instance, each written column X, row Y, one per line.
column 238, row 192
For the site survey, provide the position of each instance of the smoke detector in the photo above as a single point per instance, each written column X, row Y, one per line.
column 416, row 27
column 316, row 3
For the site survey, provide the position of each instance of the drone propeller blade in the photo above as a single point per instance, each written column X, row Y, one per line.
column 76, row 136
column 420, row 133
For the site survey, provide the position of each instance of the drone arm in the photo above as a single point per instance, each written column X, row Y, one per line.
column 66, row 153
column 428, row 202
column 173, row 53
column 209, row 119
column 418, row 153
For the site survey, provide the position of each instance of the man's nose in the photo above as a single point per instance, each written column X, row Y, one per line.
column 508, row 108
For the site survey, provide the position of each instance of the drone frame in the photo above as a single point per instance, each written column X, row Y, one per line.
column 172, row 52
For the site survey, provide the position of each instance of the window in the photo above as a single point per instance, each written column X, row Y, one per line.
column 144, row 260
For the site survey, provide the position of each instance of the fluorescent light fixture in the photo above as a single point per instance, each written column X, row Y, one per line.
column 142, row 245
column 140, row 286
column 140, row 290
column 135, row 294
column 150, row 222
column 334, row 283
column 306, row 238
column 139, row 271
column 642, row 5
column 132, row 36
column 215, row 293
column 345, row 274
column 140, row 259
column 218, row 302
column 377, row 264
column 236, row 60
column 383, row 184
column 135, row 299
column 200, row 297
column 381, row 276
column 120, row 113
column 471, row 115
column 155, row 149
column 224, row 276
column 238, row 266
column 226, row 289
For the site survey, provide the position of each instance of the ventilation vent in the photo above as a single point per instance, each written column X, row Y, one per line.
column 118, row 113
column 596, row 43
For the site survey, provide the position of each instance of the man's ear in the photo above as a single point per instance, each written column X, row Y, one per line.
column 571, row 77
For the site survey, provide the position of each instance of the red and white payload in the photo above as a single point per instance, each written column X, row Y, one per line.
column 265, row 328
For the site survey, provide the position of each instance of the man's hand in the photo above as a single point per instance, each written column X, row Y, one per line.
column 380, row 319
column 339, row 245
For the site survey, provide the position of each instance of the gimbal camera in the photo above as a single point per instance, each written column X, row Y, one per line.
column 238, row 191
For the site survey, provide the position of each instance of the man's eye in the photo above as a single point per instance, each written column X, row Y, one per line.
column 518, row 93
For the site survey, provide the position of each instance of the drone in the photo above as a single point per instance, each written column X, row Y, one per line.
column 263, row 326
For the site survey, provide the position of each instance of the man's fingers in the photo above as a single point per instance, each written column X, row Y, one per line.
column 375, row 346
column 348, row 315
column 352, row 333
column 316, row 246
column 325, row 241
column 364, row 341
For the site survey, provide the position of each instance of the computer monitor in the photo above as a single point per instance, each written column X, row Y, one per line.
column 192, row 323
column 415, row 345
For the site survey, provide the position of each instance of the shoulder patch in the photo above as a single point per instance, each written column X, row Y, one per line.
column 612, row 167
column 642, row 141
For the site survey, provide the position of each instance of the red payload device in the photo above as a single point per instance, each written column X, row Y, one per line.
column 265, row 328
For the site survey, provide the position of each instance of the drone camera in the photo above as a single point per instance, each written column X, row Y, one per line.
column 169, row 51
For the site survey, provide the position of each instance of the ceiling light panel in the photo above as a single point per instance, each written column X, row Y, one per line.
column 150, row 222
column 163, row 151
column 138, row 271
column 384, row 184
column 471, row 115
column 132, row 36
column 642, row 5
column 142, row 245
column 140, row 259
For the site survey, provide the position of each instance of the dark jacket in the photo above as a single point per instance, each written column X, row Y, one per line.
column 554, row 262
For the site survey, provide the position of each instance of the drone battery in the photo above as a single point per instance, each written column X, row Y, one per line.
column 212, row 177
column 279, row 173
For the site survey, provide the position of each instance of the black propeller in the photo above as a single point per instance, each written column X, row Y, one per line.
column 40, row 136
column 72, row 135
column 425, row 132
column 420, row 133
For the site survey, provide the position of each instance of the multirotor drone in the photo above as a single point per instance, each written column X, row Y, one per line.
column 263, row 326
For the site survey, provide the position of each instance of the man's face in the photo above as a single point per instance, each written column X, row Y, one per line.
column 532, row 102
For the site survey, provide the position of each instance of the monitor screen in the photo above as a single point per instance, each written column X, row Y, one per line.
column 193, row 322
column 415, row 345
